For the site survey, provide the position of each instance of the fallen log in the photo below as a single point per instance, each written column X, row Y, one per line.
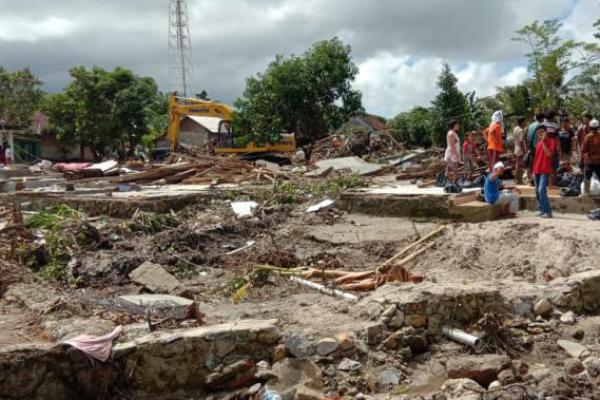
column 412, row 246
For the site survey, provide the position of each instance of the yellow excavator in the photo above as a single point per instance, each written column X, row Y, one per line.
column 180, row 107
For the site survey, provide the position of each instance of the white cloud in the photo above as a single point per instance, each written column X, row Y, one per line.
column 391, row 84
column 22, row 29
column 578, row 25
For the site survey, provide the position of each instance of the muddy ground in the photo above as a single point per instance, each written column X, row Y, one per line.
column 527, row 250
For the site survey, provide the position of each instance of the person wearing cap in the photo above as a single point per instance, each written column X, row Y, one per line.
column 590, row 154
column 494, row 139
column 495, row 192
column 543, row 168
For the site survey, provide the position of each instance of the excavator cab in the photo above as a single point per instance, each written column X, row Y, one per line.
column 227, row 141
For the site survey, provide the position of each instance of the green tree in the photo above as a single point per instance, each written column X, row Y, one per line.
column 309, row 95
column 549, row 59
column 413, row 127
column 104, row 109
column 20, row 96
column 450, row 103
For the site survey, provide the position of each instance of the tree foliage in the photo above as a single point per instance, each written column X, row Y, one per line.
column 549, row 59
column 309, row 95
column 450, row 103
column 20, row 96
column 414, row 126
column 105, row 109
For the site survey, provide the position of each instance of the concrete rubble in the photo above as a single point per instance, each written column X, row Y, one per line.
column 320, row 281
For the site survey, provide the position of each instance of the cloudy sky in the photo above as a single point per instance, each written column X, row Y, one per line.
column 399, row 45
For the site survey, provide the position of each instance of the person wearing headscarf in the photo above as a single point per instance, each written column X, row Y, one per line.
column 494, row 140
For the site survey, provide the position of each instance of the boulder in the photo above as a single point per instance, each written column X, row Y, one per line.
column 573, row 349
column 349, row 365
column 279, row 353
column 416, row 320
column 373, row 332
column 299, row 347
column 155, row 278
column 568, row 318
column 592, row 367
column 304, row 392
column 292, row 372
column 506, row 377
column 542, row 307
column 463, row 389
column 573, row 366
column 397, row 320
column 345, row 341
column 326, row 346
column 483, row 369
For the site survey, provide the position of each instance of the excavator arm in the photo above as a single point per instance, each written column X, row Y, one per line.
column 181, row 107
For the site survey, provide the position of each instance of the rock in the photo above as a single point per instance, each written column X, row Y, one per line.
column 269, row 337
column 279, row 353
column 372, row 310
column 345, row 341
column 573, row 366
column 373, row 332
column 416, row 321
column 326, row 346
column 553, row 386
column 463, row 389
column 592, row 367
column 540, row 374
column 254, row 389
column 155, row 278
column 542, row 307
column 568, row 318
column 494, row 385
column 397, row 321
column 520, row 368
column 299, row 347
column 389, row 312
column 578, row 334
column 388, row 378
column 391, row 342
column 506, row 377
column 349, row 365
column 305, row 393
column 573, row 349
column 483, row 369
column 292, row 372
column 241, row 371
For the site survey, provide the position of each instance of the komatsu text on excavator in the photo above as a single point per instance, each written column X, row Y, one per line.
column 225, row 142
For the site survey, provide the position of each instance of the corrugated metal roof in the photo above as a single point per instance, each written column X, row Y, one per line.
column 210, row 123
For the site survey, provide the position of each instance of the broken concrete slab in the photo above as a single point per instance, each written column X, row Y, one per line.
column 160, row 306
column 483, row 369
column 292, row 372
column 573, row 349
column 155, row 278
column 352, row 164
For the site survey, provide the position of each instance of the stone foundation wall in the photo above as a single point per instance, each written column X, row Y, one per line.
column 159, row 364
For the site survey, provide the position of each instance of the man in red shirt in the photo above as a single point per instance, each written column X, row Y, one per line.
column 590, row 153
column 543, row 170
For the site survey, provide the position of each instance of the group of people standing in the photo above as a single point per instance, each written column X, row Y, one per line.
column 540, row 149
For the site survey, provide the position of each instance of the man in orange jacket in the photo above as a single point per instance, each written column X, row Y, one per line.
column 494, row 140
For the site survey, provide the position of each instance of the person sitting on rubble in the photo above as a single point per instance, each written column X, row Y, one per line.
column 497, row 194
column 543, row 168
column 470, row 154
column 590, row 153
column 494, row 140
column 452, row 155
